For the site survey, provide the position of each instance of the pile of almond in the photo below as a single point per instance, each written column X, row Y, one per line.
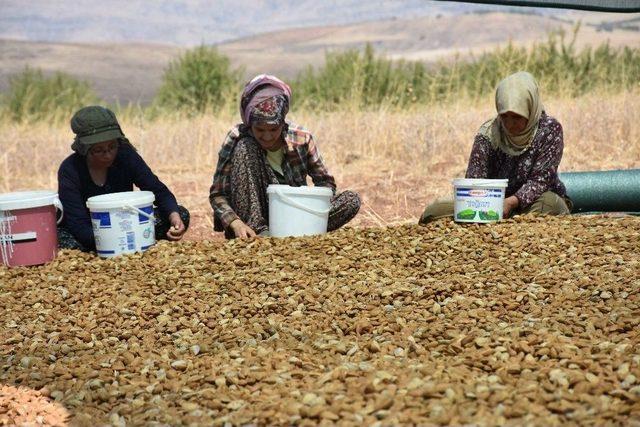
column 532, row 321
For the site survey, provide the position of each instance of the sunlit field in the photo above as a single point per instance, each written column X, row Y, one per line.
column 397, row 160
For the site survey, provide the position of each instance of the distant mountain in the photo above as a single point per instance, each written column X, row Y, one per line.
column 191, row 22
column 123, row 46
column 131, row 72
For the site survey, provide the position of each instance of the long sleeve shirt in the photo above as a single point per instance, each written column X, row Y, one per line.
column 531, row 173
column 301, row 159
column 75, row 186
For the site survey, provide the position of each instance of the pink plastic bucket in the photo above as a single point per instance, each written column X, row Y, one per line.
column 28, row 233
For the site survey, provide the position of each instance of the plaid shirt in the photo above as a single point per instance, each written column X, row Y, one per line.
column 301, row 159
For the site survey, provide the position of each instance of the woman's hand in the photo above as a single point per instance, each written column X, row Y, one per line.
column 241, row 230
column 177, row 229
column 510, row 203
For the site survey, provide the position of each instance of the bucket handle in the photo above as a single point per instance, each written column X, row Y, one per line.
column 58, row 204
column 301, row 206
column 141, row 212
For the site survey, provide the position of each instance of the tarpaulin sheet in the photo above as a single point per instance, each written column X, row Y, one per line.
column 603, row 191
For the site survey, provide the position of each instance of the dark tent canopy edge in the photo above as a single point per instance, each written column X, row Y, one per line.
column 628, row 6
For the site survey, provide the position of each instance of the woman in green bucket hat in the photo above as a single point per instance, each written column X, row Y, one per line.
column 523, row 144
column 104, row 162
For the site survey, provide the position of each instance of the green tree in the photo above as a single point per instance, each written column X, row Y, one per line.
column 201, row 79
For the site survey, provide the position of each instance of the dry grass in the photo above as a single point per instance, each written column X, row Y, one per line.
column 397, row 161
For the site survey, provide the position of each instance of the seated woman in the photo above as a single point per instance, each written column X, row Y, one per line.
column 265, row 149
column 105, row 162
column 522, row 144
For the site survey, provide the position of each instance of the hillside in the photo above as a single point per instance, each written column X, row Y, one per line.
column 425, row 38
column 118, row 72
column 132, row 72
column 191, row 22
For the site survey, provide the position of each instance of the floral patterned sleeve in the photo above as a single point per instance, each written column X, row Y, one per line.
column 480, row 158
column 544, row 170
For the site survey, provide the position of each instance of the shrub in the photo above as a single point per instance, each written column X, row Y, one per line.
column 200, row 80
column 32, row 96
column 354, row 79
column 358, row 79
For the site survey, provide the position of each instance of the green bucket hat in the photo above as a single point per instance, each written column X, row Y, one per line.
column 92, row 125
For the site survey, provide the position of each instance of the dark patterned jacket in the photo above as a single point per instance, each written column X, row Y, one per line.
column 75, row 186
column 531, row 173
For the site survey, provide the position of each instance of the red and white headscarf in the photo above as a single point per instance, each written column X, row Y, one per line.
column 265, row 99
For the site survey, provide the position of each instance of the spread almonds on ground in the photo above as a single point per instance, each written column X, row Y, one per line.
column 532, row 321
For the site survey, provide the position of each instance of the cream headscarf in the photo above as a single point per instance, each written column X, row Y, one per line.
column 517, row 93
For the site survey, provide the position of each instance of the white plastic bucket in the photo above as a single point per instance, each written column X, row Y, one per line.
column 28, row 232
column 478, row 200
column 298, row 211
column 122, row 222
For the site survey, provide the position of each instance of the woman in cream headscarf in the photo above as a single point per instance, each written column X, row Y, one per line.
column 522, row 144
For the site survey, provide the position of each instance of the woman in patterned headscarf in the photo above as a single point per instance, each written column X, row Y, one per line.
column 522, row 144
column 266, row 149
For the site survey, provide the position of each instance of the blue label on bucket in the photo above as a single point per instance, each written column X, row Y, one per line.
column 463, row 194
column 103, row 218
column 131, row 240
column 143, row 219
column 488, row 190
column 474, row 192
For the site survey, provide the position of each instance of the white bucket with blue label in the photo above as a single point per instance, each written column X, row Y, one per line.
column 122, row 222
column 478, row 200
